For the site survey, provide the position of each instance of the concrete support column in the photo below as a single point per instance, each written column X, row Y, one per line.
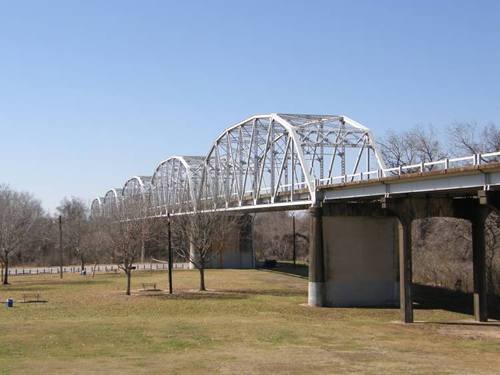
column 405, row 272
column 246, row 251
column 316, row 295
column 476, row 210
column 406, row 210
column 479, row 264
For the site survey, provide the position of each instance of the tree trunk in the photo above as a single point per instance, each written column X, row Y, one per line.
column 202, row 279
column 82, row 260
column 128, row 272
column 6, row 271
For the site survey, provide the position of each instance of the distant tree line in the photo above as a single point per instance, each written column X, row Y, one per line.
column 30, row 236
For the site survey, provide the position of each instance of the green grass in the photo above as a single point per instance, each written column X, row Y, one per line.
column 249, row 322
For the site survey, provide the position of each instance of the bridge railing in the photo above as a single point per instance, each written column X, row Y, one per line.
column 423, row 167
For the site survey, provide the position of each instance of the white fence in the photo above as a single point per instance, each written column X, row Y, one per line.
column 443, row 164
column 100, row 268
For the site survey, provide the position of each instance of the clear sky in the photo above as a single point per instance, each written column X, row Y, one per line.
column 93, row 92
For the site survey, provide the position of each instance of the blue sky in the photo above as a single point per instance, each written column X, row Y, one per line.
column 93, row 92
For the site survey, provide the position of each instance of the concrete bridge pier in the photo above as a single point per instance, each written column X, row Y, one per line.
column 237, row 250
column 478, row 221
column 405, row 271
column 406, row 210
column 476, row 210
column 247, row 251
column 353, row 256
column 316, row 286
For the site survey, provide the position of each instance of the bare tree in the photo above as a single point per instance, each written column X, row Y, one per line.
column 127, row 229
column 426, row 143
column 419, row 144
column 95, row 242
column 396, row 149
column 273, row 236
column 200, row 236
column 74, row 213
column 18, row 214
column 472, row 138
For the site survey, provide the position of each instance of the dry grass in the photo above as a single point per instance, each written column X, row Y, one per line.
column 251, row 322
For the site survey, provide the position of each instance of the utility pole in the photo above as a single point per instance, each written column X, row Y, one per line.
column 294, row 248
column 170, row 257
column 60, row 248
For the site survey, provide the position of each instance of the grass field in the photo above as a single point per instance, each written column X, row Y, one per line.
column 250, row 322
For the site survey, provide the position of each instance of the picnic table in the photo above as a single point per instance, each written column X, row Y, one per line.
column 149, row 286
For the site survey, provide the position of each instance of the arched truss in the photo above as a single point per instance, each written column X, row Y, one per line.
column 277, row 159
column 265, row 160
column 175, row 184
column 112, row 202
column 96, row 207
column 136, row 195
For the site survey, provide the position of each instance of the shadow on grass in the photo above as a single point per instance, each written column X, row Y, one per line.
column 223, row 294
column 432, row 297
column 36, row 285
column 195, row 296
column 271, row 292
column 464, row 323
column 298, row 270
column 425, row 297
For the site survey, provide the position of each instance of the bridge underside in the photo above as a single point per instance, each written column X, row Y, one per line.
column 350, row 269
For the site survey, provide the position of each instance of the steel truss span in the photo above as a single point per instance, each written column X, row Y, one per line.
column 264, row 162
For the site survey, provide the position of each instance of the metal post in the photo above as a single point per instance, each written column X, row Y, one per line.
column 170, row 257
column 405, row 272
column 60, row 248
column 293, row 239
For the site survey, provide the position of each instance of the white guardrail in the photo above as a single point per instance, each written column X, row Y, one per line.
column 442, row 164
column 100, row 268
